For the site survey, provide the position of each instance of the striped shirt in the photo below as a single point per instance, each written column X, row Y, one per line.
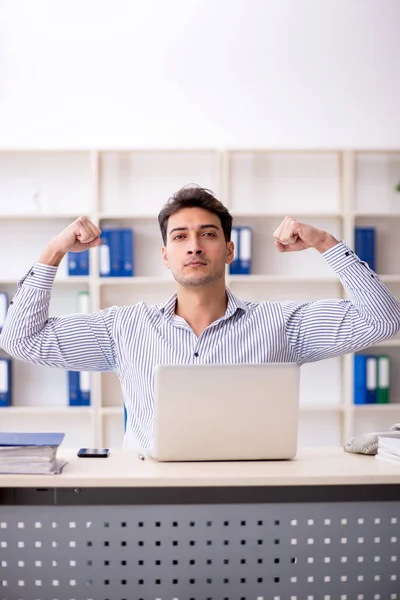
column 131, row 340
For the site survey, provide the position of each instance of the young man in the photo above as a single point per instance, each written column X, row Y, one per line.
column 203, row 322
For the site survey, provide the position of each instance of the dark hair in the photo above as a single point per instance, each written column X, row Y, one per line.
column 191, row 196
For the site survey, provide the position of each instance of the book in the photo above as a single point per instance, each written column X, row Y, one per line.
column 116, row 253
column 5, row 382
column 78, row 263
column 383, row 379
column 3, row 308
column 234, row 266
column 365, row 245
column 30, row 452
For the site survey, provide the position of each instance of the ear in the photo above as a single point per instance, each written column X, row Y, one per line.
column 230, row 252
column 165, row 257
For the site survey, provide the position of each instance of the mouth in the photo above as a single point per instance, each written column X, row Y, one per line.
column 195, row 263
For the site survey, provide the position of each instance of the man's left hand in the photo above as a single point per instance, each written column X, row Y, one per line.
column 292, row 236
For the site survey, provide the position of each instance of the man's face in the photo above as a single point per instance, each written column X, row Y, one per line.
column 196, row 251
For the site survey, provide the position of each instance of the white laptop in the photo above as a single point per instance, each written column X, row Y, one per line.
column 226, row 412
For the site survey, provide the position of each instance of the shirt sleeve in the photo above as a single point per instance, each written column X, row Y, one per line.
column 327, row 328
column 77, row 342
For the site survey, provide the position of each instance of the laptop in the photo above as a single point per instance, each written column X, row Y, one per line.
column 226, row 412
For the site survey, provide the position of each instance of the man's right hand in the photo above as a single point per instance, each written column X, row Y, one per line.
column 78, row 236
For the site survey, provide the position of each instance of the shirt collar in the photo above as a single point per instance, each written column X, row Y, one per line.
column 234, row 304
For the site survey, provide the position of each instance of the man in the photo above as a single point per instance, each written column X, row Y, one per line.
column 203, row 322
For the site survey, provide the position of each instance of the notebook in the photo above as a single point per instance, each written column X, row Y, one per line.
column 225, row 412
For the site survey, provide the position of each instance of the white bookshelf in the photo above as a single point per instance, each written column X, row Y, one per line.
column 43, row 191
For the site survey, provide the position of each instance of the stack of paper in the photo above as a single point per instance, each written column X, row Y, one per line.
column 388, row 449
column 30, row 453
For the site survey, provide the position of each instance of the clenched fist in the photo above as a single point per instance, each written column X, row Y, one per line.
column 292, row 236
column 78, row 236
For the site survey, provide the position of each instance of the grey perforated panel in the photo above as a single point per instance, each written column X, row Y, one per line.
column 321, row 551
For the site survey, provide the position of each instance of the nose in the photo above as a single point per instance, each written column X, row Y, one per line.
column 194, row 247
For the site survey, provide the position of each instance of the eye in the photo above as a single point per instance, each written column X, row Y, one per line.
column 209, row 233
column 177, row 237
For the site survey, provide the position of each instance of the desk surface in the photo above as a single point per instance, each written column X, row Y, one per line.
column 312, row 466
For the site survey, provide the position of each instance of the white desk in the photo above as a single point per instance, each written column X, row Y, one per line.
column 326, row 524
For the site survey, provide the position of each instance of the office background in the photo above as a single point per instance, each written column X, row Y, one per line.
column 280, row 107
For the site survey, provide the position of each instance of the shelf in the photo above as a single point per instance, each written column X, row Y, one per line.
column 129, row 216
column 390, row 343
column 46, row 410
column 40, row 217
column 280, row 279
column 389, row 278
column 377, row 215
column 395, row 406
column 280, row 215
column 102, row 281
column 322, row 408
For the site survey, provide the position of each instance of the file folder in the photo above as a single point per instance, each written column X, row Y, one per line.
column 5, row 382
column 245, row 250
column 78, row 263
column 74, row 388
column 360, row 379
column 234, row 266
column 3, row 308
column 371, row 379
column 126, row 267
column 84, row 388
column 365, row 245
column 383, row 379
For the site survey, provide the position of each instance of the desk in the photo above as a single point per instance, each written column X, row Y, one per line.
column 325, row 526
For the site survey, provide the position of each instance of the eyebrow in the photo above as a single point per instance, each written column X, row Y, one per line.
column 207, row 226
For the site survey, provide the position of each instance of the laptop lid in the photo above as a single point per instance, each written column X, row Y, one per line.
column 226, row 412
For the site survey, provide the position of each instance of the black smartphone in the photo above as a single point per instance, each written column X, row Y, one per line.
column 93, row 452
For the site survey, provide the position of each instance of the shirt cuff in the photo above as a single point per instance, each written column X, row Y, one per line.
column 39, row 276
column 340, row 257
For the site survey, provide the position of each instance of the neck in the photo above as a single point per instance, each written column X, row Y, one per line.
column 201, row 306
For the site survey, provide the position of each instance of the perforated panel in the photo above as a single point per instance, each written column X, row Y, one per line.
column 319, row 551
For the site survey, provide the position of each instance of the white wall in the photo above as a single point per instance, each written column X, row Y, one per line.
column 120, row 73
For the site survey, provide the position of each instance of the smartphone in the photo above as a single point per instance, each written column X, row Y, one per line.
column 93, row 452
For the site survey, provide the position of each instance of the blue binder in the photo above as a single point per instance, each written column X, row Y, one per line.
column 245, row 250
column 234, row 266
column 3, row 308
column 78, row 263
column 74, row 388
column 116, row 253
column 84, row 388
column 5, row 382
column 126, row 252
column 125, row 417
column 371, row 379
column 31, row 439
column 365, row 238
column 360, row 379
column 365, row 379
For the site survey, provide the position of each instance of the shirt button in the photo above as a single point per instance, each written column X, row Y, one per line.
column 196, row 354
column 32, row 273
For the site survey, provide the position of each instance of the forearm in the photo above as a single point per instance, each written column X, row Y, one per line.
column 325, row 242
column 51, row 255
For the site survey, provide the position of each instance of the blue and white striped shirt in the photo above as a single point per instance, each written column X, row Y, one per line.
column 131, row 340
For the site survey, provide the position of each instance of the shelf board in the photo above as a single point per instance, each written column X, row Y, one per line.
column 322, row 408
column 40, row 217
column 129, row 216
column 394, row 406
column 52, row 410
column 102, row 281
column 280, row 279
column 281, row 215
column 392, row 343
column 389, row 278
column 379, row 215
